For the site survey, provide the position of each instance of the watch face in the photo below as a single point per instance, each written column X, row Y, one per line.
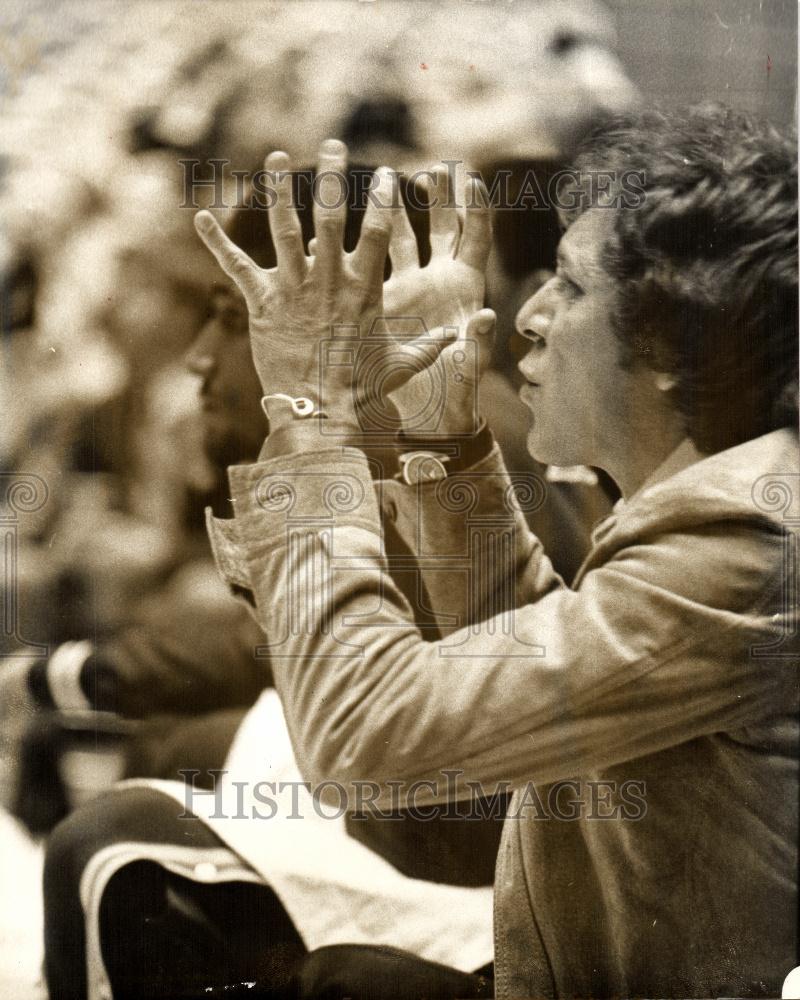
column 422, row 467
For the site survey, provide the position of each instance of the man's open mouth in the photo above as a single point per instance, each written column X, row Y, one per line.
column 526, row 392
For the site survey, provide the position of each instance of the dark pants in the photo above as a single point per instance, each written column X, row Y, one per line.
column 164, row 936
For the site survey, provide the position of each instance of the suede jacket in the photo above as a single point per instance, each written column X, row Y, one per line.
column 646, row 717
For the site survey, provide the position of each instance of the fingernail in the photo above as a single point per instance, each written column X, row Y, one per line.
column 386, row 185
column 485, row 324
column 276, row 160
column 203, row 220
column 479, row 195
column 333, row 147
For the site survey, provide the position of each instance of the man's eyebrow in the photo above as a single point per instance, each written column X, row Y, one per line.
column 219, row 288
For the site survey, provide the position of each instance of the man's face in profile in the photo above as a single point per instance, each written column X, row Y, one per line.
column 577, row 390
column 234, row 425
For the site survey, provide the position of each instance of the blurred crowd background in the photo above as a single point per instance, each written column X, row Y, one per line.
column 103, row 280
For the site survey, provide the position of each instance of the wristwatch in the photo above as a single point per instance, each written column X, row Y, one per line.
column 421, row 464
column 422, row 467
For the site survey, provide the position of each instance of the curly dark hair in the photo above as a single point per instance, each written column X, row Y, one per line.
column 707, row 263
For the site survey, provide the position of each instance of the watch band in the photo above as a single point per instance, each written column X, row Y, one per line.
column 460, row 453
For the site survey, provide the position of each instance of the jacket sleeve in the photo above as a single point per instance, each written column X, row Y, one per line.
column 476, row 555
column 652, row 650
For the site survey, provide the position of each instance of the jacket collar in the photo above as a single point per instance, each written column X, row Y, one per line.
column 679, row 458
column 759, row 479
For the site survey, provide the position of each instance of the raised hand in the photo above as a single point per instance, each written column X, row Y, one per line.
column 446, row 294
column 297, row 309
column 451, row 287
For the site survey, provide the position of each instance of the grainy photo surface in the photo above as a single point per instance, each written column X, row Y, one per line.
column 399, row 499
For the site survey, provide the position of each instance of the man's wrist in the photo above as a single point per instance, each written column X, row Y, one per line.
column 461, row 452
column 295, row 435
column 310, row 434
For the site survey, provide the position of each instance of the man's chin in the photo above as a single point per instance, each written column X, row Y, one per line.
column 537, row 448
column 543, row 449
column 221, row 449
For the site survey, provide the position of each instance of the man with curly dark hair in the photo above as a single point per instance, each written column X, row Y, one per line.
column 707, row 265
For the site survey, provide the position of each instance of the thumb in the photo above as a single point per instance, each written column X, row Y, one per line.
column 481, row 328
column 415, row 356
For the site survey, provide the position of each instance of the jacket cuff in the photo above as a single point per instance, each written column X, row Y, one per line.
column 319, row 491
column 58, row 682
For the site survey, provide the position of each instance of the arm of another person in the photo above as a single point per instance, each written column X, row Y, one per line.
column 179, row 661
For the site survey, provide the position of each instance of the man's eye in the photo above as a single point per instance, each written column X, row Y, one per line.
column 233, row 321
column 568, row 286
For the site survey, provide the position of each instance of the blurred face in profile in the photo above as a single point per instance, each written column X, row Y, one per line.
column 234, row 425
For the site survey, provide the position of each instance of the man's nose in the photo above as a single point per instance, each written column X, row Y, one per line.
column 536, row 314
column 201, row 357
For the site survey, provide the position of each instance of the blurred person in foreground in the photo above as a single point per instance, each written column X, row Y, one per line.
column 185, row 673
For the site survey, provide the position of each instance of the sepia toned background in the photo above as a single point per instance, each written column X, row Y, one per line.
column 103, row 279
